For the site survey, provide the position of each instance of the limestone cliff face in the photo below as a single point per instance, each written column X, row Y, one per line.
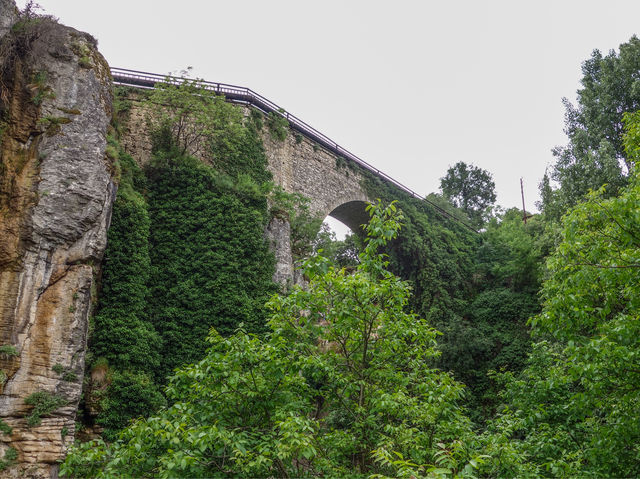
column 8, row 15
column 56, row 192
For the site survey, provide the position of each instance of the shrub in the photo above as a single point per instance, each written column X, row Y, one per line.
column 44, row 403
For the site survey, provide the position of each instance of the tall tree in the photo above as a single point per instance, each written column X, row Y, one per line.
column 595, row 153
column 469, row 188
column 574, row 410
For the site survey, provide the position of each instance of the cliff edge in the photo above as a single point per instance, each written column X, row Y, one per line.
column 56, row 192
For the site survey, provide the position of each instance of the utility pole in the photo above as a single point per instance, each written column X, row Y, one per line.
column 524, row 211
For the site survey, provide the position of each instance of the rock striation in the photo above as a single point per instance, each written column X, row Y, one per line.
column 8, row 15
column 56, row 192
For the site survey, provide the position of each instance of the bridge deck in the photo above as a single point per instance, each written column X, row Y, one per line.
column 246, row 96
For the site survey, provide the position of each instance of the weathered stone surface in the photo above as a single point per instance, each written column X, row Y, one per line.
column 8, row 15
column 300, row 166
column 279, row 235
column 136, row 137
column 56, row 192
column 297, row 165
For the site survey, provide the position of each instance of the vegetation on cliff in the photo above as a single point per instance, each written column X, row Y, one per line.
column 347, row 379
column 342, row 385
column 186, row 251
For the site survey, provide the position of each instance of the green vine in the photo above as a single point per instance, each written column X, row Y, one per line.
column 278, row 125
column 44, row 403
column 9, row 459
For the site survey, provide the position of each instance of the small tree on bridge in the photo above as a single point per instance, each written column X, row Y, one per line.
column 188, row 118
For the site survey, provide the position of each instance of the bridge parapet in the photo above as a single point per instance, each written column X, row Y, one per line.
column 246, row 96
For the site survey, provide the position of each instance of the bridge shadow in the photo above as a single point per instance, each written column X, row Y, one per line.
column 353, row 214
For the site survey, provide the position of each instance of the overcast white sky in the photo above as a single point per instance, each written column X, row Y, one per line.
column 411, row 87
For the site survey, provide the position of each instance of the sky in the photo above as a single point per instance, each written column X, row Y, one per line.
column 411, row 87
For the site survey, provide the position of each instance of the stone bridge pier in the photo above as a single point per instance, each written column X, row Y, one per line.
column 301, row 166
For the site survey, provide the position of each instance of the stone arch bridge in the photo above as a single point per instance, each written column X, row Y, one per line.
column 307, row 162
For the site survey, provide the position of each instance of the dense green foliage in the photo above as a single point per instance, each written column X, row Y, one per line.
column 433, row 252
column 130, row 394
column 186, row 250
column 471, row 189
column 341, row 386
column 211, row 264
column 122, row 331
column 574, row 410
column 437, row 254
column 595, row 154
column 506, row 279
column 123, row 338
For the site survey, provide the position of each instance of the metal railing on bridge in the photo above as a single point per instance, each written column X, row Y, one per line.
column 246, row 96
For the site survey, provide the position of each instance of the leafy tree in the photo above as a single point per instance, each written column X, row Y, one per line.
column 595, row 154
column 193, row 117
column 187, row 118
column 469, row 188
column 512, row 253
column 491, row 334
column 341, row 386
column 343, row 254
column 574, row 410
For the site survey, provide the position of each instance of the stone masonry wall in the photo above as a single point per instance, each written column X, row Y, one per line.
column 298, row 165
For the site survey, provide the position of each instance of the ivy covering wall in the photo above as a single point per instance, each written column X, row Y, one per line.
column 186, row 252
column 210, row 263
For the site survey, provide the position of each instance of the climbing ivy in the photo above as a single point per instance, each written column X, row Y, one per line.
column 278, row 125
column 43, row 403
column 123, row 333
column 186, row 249
column 123, row 337
column 210, row 263
column 211, row 266
column 433, row 251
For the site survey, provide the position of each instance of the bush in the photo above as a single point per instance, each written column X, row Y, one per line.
column 130, row 395
column 44, row 403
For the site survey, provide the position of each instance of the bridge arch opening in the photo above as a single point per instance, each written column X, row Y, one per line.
column 338, row 228
column 341, row 236
column 352, row 214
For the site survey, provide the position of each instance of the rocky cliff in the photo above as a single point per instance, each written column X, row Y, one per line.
column 56, row 191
